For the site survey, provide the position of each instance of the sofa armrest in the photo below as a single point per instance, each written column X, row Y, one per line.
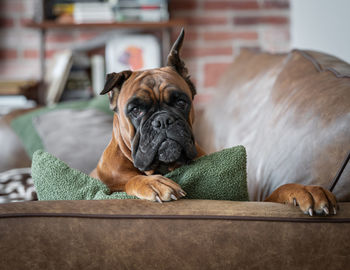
column 186, row 234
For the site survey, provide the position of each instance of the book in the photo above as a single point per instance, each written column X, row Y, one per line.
column 78, row 85
column 13, row 87
column 142, row 10
column 92, row 12
column 97, row 73
column 57, row 75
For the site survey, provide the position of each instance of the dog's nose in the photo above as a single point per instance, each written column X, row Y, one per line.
column 162, row 121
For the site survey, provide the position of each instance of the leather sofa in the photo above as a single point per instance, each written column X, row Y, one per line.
column 292, row 112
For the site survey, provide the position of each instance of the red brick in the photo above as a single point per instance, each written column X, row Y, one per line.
column 8, row 54
column 198, row 21
column 260, row 20
column 49, row 53
column 190, row 52
column 182, row 5
column 87, row 35
column 219, row 36
column 4, row 22
column 59, row 37
column 213, row 73
column 31, row 54
column 235, row 5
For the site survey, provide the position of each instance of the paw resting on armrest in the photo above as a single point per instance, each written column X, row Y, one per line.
column 311, row 199
column 154, row 188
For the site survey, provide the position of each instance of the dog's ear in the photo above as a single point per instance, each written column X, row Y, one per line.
column 113, row 85
column 175, row 61
column 115, row 80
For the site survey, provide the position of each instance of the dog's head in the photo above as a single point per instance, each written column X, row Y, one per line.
column 154, row 112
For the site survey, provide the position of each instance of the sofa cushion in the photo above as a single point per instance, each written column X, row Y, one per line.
column 78, row 137
column 77, row 131
column 219, row 176
column 292, row 112
column 25, row 129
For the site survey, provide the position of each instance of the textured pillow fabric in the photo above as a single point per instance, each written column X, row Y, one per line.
column 219, row 176
column 17, row 185
column 78, row 137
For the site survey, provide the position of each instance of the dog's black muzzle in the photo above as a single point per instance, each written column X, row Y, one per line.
column 164, row 137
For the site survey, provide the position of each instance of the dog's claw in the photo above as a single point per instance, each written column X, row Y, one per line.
column 325, row 210
column 310, row 212
column 158, row 199
column 182, row 193
column 173, row 197
column 294, row 202
column 334, row 210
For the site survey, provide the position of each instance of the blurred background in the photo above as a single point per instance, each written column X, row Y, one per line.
column 58, row 50
column 31, row 36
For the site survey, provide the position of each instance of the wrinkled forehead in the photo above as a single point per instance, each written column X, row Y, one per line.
column 155, row 82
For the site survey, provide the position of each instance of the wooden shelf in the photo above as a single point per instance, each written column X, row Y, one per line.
column 45, row 25
column 164, row 27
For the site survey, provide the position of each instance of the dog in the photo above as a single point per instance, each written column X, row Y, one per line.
column 152, row 135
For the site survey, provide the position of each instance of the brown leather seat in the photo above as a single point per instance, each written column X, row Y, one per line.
column 186, row 234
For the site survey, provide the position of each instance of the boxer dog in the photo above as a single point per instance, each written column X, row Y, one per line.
column 152, row 135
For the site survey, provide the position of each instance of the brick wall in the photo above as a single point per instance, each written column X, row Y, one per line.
column 215, row 33
column 16, row 42
column 218, row 29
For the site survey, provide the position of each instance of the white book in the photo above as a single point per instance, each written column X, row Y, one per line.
column 97, row 73
column 92, row 12
column 57, row 75
column 93, row 20
column 92, row 6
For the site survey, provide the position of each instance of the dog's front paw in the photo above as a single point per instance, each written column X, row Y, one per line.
column 154, row 188
column 311, row 199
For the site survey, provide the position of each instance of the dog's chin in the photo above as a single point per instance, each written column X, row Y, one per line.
column 169, row 155
column 169, row 151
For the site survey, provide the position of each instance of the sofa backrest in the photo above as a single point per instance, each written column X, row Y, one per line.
column 291, row 112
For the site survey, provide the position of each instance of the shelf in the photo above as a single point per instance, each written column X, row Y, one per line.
column 115, row 25
column 165, row 27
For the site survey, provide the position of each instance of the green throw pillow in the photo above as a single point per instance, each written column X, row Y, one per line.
column 218, row 176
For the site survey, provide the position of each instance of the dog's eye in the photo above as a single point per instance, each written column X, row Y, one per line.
column 181, row 103
column 136, row 112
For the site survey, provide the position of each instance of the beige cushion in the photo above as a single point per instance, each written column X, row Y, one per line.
column 77, row 137
column 291, row 112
